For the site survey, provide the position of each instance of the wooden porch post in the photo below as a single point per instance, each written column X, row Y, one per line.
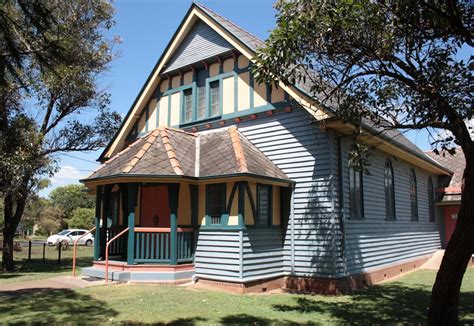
column 173, row 195
column 105, row 213
column 132, row 191
column 98, row 205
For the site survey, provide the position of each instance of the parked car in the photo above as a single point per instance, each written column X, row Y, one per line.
column 71, row 235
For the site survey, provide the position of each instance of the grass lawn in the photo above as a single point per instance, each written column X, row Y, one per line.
column 36, row 269
column 404, row 300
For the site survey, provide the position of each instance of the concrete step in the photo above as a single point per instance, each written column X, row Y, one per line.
column 100, row 273
column 139, row 276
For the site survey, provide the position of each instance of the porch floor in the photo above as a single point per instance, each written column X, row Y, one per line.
column 122, row 272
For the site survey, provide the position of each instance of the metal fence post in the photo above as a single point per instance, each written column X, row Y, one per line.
column 29, row 250
column 59, row 253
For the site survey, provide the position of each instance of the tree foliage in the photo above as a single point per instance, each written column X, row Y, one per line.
column 70, row 197
column 51, row 56
column 82, row 218
column 385, row 65
column 50, row 220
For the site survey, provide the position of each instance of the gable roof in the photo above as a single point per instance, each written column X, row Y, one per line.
column 238, row 38
column 456, row 163
column 168, row 152
column 234, row 37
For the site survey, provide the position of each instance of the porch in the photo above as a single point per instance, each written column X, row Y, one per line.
column 157, row 210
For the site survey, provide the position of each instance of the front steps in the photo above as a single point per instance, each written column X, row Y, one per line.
column 121, row 272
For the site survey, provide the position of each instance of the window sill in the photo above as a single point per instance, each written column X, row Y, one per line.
column 201, row 121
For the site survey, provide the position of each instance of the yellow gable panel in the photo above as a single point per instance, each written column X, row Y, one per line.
column 188, row 78
column 175, row 108
column 152, row 115
column 213, row 70
column 278, row 95
column 141, row 124
column 228, row 65
column 243, row 62
column 228, row 95
column 260, row 95
column 244, row 91
column 163, row 111
column 175, row 81
column 164, row 85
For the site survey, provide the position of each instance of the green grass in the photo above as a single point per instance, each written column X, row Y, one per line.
column 36, row 269
column 403, row 301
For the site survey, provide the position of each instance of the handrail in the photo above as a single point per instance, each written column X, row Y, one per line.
column 75, row 250
column 107, row 253
column 156, row 230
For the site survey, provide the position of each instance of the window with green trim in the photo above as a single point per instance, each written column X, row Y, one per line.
column 389, row 191
column 215, row 201
column 188, row 105
column 356, row 193
column 431, row 199
column 264, row 205
column 413, row 196
column 201, row 76
column 214, row 98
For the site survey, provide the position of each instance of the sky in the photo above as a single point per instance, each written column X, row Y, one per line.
column 145, row 27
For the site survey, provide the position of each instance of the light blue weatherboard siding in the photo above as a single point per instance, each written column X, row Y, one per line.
column 301, row 150
column 373, row 242
column 202, row 42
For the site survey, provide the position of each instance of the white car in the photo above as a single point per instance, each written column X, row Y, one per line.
column 71, row 235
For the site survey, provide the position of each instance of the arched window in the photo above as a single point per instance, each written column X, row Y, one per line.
column 413, row 196
column 356, row 195
column 389, row 191
column 431, row 199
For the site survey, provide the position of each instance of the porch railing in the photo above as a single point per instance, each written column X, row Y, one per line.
column 117, row 248
column 156, row 245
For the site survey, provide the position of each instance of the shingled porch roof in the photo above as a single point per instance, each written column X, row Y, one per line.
column 169, row 152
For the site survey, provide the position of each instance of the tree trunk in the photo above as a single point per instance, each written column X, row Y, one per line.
column 445, row 294
column 12, row 219
column 7, row 251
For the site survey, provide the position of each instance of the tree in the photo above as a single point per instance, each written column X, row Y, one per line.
column 50, row 220
column 70, row 197
column 51, row 55
column 390, row 65
column 82, row 218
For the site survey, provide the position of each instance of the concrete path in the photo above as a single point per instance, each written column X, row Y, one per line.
column 60, row 282
column 434, row 262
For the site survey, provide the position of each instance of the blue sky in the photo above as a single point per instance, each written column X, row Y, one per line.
column 146, row 27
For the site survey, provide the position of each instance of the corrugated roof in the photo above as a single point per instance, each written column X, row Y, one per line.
column 173, row 152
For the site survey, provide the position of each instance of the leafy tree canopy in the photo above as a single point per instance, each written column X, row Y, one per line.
column 82, row 218
column 70, row 197
column 385, row 65
column 52, row 54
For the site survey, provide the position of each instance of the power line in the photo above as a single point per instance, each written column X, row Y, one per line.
column 75, row 169
column 79, row 158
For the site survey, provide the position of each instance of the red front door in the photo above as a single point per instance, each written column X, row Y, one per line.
column 154, row 209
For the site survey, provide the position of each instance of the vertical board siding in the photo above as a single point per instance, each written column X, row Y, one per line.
column 202, row 42
column 374, row 241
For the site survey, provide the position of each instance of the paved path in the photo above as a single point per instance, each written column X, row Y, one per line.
column 60, row 282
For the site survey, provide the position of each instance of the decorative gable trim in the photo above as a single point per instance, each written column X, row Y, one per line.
column 194, row 13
